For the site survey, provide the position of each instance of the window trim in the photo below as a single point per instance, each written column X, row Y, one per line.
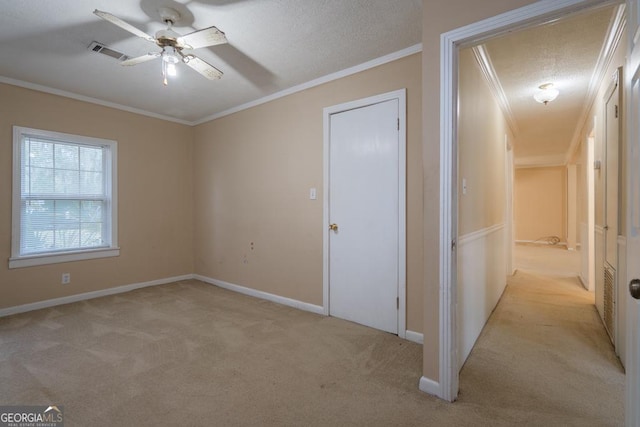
column 17, row 260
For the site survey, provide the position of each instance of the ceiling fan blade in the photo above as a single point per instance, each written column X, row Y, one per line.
column 140, row 59
column 202, row 38
column 204, row 68
column 120, row 23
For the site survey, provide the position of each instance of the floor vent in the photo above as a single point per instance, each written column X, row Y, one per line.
column 609, row 303
column 101, row 48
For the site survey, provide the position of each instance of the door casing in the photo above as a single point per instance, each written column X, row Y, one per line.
column 450, row 43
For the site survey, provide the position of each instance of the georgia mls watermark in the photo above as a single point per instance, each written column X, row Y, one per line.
column 31, row 416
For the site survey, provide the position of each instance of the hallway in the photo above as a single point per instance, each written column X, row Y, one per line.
column 544, row 351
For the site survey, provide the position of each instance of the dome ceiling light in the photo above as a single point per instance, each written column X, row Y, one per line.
column 546, row 93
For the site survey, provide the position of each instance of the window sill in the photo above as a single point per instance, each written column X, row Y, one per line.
column 42, row 259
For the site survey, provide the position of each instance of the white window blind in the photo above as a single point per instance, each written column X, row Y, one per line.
column 64, row 202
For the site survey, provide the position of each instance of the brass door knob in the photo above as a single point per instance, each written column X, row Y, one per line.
column 333, row 227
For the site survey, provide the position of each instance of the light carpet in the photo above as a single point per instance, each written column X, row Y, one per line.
column 189, row 353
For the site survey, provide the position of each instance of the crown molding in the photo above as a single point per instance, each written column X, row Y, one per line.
column 486, row 66
column 614, row 35
column 540, row 161
column 317, row 82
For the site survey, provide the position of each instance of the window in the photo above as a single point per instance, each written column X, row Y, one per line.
column 64, row 198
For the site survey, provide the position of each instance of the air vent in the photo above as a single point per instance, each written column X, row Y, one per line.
column 100, row 48
column 609, row 302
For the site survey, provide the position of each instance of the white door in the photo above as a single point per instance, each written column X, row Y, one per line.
column 363, row 213
column 632, row 392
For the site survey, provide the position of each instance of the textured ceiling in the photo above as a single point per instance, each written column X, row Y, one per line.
column 273, row 45
column 566, row 53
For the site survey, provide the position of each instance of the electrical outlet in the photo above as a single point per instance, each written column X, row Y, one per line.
column 66, row 278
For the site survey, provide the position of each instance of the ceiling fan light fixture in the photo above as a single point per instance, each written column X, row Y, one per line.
column 546, row 93
column 172, row 44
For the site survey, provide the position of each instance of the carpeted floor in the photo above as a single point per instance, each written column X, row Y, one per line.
column 189, row 353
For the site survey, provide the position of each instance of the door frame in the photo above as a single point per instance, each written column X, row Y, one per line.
column 450, row 42
column 401, row 96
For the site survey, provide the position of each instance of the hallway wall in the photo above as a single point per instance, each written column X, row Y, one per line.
column 440, row 17
column 482, row 203
column 595, row 125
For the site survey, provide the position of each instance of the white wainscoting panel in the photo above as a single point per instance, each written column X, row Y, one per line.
column 480, row 283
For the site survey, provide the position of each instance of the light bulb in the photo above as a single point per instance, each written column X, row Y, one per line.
column 171, row 69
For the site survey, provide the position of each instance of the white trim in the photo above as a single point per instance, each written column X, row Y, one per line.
column 110, row 158
column 430, row 386
column 83, row 98
column 261, row 294
column 417, row 48
column 53, row 258
column 583, row 281
column 401, row 96
column 89, row 295
column 317, row 82
column 540, row 161
column 539, row 12
column 479, row 234
column 486, row 66
column 415, row 337
column 614, row 34
column 541, row 242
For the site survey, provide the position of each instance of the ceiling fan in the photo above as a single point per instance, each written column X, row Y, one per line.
column 172, row 44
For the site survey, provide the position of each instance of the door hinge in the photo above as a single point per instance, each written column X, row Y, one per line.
column 399, row 121
column 398, row 303
column 453, row 245
column 616, row 111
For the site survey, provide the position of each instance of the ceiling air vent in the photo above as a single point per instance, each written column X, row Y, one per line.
column 100, row 48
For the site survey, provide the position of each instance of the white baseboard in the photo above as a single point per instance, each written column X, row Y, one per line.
column 89, row 295
column 263, row 295
column 429, row 386
column 416, row 337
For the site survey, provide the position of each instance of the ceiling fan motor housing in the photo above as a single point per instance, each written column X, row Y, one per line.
column 167, row 37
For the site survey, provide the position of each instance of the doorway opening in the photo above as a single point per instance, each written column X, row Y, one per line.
column 460, row 184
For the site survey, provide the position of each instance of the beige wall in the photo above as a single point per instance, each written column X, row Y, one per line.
column 540, row 203
column 481, row 150
column 252, row 174
column 155, row 197
column 481, row 251
column 440, row 17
